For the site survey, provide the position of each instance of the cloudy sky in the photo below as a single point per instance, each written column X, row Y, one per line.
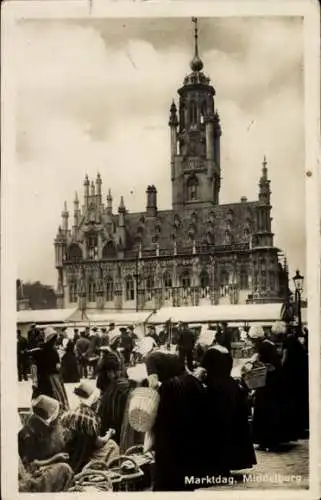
column 94, row 96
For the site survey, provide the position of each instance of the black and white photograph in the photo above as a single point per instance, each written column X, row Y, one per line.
column 162, row 248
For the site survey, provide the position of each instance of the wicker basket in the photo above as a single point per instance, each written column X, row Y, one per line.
column 143, row 408
column 255, row 378
column 128, row 479
column 91, row 480
column 146, row 462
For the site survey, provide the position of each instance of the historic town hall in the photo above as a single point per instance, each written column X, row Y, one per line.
column 197, row 252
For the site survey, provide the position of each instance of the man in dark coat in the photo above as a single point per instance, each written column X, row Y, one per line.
column 126, row 343
column 93, row 351
column 185, row 344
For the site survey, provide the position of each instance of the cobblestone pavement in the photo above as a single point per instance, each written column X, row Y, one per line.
column 287, row 469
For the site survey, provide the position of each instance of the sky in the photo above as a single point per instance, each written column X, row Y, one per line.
column 94, row 96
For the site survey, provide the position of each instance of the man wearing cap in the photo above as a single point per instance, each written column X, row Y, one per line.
column 104, row 340
column 127, row 344
column 185, row 343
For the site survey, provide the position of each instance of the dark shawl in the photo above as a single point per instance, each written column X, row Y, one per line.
column 229, row 444
column 179, row 435
column 69, row 365
column 112, row 406
column 164, row 365
column 295, row 379
column 46, row 360
column 270, row 423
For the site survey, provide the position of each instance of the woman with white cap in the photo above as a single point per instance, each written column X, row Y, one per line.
column 47, row 376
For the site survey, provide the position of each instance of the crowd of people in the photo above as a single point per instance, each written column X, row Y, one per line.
column 208, row 423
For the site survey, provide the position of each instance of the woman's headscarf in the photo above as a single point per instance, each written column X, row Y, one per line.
column 164, row 365
column 217, row 362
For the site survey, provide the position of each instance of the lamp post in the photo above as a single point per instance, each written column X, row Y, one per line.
column 298, row 283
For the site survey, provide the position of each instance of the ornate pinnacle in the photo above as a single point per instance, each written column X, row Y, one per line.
column 173, row 120
column 196, row 63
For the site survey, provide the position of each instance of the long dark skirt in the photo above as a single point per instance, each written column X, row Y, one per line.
column 270, row 425
column 69, row 368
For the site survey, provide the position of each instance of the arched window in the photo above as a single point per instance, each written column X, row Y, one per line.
column 244, row 279
column 224, row 282
column 109, row 250
column 203, row 112
column 91, row 291
column 150, row 283
column 130, row 295
column 192, row 185
column 109, row 289
column 186, row 280
column 224, row 278
column 193, row 113
column 210, row 238
column 73, row 295
column 167, row 280
column 74, row 253
column 92, row 246
column 204, row 279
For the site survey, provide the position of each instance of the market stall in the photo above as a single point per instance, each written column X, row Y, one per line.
column 235, row 315
column 43, row 318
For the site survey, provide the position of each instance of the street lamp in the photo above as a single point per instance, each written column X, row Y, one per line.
column 298, row 283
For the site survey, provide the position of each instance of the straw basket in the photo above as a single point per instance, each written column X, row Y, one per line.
column 256, row 378
column 129, row 478
column 143, row 408
column 92, row 480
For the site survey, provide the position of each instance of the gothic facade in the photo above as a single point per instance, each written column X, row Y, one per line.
column 199, row 252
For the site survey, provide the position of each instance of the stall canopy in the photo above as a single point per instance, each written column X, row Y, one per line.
column 119, row 318
column 230, row 313
column 45, row 316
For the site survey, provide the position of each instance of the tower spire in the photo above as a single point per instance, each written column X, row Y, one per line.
column 196, row 63
column 264, row 169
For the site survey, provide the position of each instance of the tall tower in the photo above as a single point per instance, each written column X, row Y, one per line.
column 265, row 264
column 195, row 140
